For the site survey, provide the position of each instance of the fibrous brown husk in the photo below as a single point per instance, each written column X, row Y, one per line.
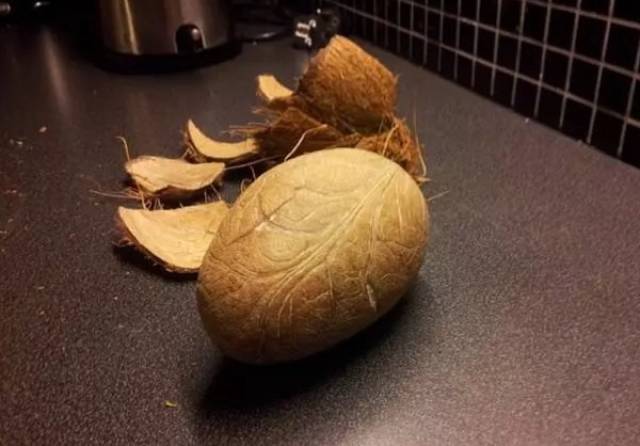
column 345, row 98
column 176, row 238
column 348, row 88
column 201, row 147
column 158, row 177
column 294, row 129
column 353, row 95
column 399, row 145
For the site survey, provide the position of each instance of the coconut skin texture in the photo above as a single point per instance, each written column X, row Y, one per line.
column 315, row 250
column 348, row 88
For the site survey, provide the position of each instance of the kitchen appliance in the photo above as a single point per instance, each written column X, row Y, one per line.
column 167, row 30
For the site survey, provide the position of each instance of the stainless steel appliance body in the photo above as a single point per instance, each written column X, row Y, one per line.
column 164, row 27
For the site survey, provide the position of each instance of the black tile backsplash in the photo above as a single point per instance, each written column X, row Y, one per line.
column 584, row 77
column 488, row 12
column 571, row 64
column 510, row 16
column 590, row 37
column 503, row 87
column 507, row 51
column 534, row 20
column 622, row 42
column 469, row 9
column 483, row 79
column 627, row 9
column 555, row 69
column 630, row 152
column 486, row 43
column 549, row 108
column 561, row 25
column 530, row 60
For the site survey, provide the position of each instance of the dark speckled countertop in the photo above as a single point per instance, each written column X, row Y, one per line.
column 523, row 327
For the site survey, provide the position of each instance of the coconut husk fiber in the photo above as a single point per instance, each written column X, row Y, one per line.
column 399, row 145
column 346, row 98
column 348, row 88
column 294, row 129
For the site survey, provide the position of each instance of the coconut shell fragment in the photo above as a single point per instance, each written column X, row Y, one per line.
column 348, row 88
column 158, row 177
column 271, row 91
column 315, row 250
column 204, row 148
column 175, row 238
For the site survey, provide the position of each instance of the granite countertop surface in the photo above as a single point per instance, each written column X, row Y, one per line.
column 522, row 328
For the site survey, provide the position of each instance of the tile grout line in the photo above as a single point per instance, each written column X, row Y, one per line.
column 559, row 91
column 495, row 50
column 594, row 15
column 399, row 28
column 440, row 38
column 523, row 7
column 410, row 6
column 567, row 80
column 384, row 22
column 630, row 100
column 521, row 76
column 476, row 31
column 493, row 29
column 566, row 94
column 374, row 24
column 455, row 54
column 425, row 53
column 545, row 40
column 603, row 53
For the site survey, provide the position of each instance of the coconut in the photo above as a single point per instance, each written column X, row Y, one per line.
column 158, row 177
column 315, row 250
column 348, row 88
column 175, row 238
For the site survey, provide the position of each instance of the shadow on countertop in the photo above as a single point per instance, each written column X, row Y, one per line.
column 239, row 388
column 132, row 257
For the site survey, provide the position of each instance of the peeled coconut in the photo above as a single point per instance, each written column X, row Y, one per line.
column 348, row 88
column 315, row 250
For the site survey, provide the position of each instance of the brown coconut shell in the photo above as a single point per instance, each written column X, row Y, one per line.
column 294, row 129
column 348, row 88
column 399, row 145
